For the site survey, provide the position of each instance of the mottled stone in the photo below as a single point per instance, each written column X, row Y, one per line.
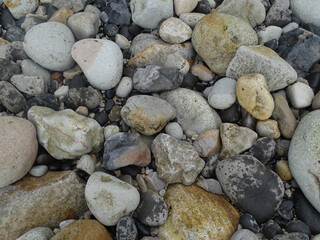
column 8, row 69
column 208, row 143
column 11, row 98
column 263, row 149
column 31, row 85
column 83, row 96
column 173, row 30
column 268, row 128
column 38, row 233
column 126, row 229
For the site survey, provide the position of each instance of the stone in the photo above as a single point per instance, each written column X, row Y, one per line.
column 62, row 91
column 148, row 14
column 49, row 44
column 208, row 143
column 210, row 185
column 263, row 149
column 154, row 182
column 268, row 128
column 126, row 229
column 178, row 62
column 100, row 61
column 11, row 98
column 152, row 210
column 118, row 12
column 271, row 229
column 8, row 69
column 72, row 72
column 300, row 95
column 84, row 25
column 210, row 39
column 38, row 233
column 124, row 87
column 74, row 5
column 16, row 156
column 223, row 93
column 244, row 234
column 121, row 198
column 307, row 12
column 14, row 33
column 122, row 41
column 247, row 221
column 31, row 85
column 268, row 34
column 278, row 14
column 147, row 114
column 184, row 6
column 20, row 8
column 250, row 186
column 144, row 40
column 32, row 20
column 191, row 19
column 235, row 139
column 291, row 236
column 38, row 170
column 45, row 100
column 29, row 198
column 251, row 11
column 154, row 78
column 82, row 230
column 174, row 130
column 83, row 96
column 66, row 134
column 284, row 116
column 86, row 163
column 192, row 108
column 254, row 96
column 110, row 130
column 173, row 30
column 289, row 27
column 316, row 101
column 298, row 226
column 191, row 218
column 31, row 68
column 209, row 169
column 202, row 72
column 304, row 145
column 123, row 149
column 263, row 60
column 61, row 15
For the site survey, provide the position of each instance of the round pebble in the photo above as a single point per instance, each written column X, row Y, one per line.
column 173, row 30
column 38, row 171
column 124, row 87
column 174, row 129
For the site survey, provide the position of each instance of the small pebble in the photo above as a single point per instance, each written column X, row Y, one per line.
column 247, row 221
column 62, row 91
column 122, row 41
column 86, row 163
column 174, row 129
column 210, row 185
column 38, row 171
column 300, row 95
column 126, row 229
column 202, row 72
column 124, row 87
column 173, row 30
column 271, row 229
column 268, row 128
column 82, row 110
column 298, row 226
column 283, row 170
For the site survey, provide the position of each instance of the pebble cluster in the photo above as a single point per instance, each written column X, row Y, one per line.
column 160, row 119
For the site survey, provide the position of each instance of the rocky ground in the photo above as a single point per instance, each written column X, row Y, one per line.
column 159, row 119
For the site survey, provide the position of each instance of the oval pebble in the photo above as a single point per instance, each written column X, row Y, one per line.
column 124, row 87
column 174, row 129
column 173, row 30
column 38, row 171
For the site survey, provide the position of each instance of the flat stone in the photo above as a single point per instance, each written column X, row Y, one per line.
column 29, row 198
column 31, row 68
column 11, row 98
column 184, row 6
column 268, row 128
column 208, row 143
column 84, row 25
column 190, row 218
column 223, row 93
column 66, row 134
column 38, row 233
column 31, row 85
column 20, row 8
column 173, row 30
column 61, row 15
column 307, row 11
column 300, row 95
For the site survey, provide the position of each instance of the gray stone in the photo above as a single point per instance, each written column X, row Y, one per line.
column 31, row 85
column 300, row 95
column 74, row 5
column 38, row 171
column 244, row 234
column 84, row 96
column 8, row 69
column 93, row 9
column 126, row 229
column 124, row 87
column 110, row 130
column 21, row 8
column 191, row 18
column 173, row 30
column 174, row 129
column 38, row 233
column 31, row 68
column 210, row 185
column 84, row 25
column 289, row 27
column 291, row 236
column 154, row 182
column 143, row 41
column 268, row 34
column 32, row 20
column 86, row 163
column 11, row 98
column 263, row 149
column 307, row 11
column 278, row 14
column 209, row 169
column 61, row 91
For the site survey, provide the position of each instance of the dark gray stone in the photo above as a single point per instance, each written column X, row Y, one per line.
column 251, row 186
column 209, row 169
column 231, row 114
column 298, row 226
column 285, row 210
column 11, row 98
column 271, row 229
column 126, row 229
column 263, row 149
column 45, row 100
column 6, row 19
column 14, row 33
column 118, row 12
column 17, row 51
column 291, row 236
column 154, row 78
column 247, row 221
column 278, row 16
column 8, row 69
column 84, row 96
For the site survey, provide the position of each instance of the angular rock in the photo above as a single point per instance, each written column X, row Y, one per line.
column 268, row 128
column 8, row 69
column 126, row 229
column 66, row 134
column 61, row 15
column 278, row 14
column 38, row 233
column 118, row 12
column 83, row 96
column 208, row 143
column 31, row 68
column 173, row 30
column 20, row 8
column 84, row 25
column 11, row 98
column 31, row 85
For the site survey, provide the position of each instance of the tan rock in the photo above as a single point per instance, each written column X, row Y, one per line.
column 173, row 30
column 184, row 6
column 70, row 73
column 191, row 18
column 208, row 143
column 202, row 72
column 44, row 201
column 192, row 217
column 283, row 170
column 83, row 230
column 61, row 15
column 268, row 128
column 254, row 96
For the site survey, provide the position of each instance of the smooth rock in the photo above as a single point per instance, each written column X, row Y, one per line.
column 66, row 134
column 231, row 114
column 291, row 236
column 86, row 163
column 191, row 19
column 84, row 25
column 298, row 226
column 208, row 143
column 300, row 95
column 263, row 60
column 202, row 72
column 122, row 41
column 210, row 185
column 247, row 221
column 20, row 8
column 176, row 61
column 31, row 85
column 118, row 12
column 306, row 11
column 147, row 114
column 38, row 171
column 244, row 234
column 14, row 33
column 110, row 130
column 192, row 218
column 289, row 27
column 83, row 96
column 72, row 72
column 173, row 30
column 11, row 98
column 49, row 44
column 271, row 229
column 62, row 91
column 263, row 149
column 38, row 233
column 74, row 5
column 124, row 87
column 268, row 34
column 31, row 68
column 223, row 93
column 144, row 40
column 8, row 69
column 184, row 6
column 176, row 161
column 100, row 61
column 126, row 229
column 250, row 186
column 61, row 15
column 174, row 130
column 217, row 45
column 109, row 199
column 268, row 128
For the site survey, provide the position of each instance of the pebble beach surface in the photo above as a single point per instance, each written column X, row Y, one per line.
column 159, row 120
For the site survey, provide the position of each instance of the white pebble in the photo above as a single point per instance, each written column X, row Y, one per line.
column 124, row 87
column 223, row 94
column 110, row 130
column 86, row 163
column 300, row 95
column 191, row 19
column 122, row 41
column 65, row 223
column 174, row 129
column 269, row 33
column 174, row 30
column 62, row 91
column 289, row 27
column 38, row 171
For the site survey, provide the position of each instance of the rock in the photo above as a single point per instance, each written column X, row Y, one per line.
column 72, row 72
column 251, row 11
column 152, row 210
column 173, row 30
column 11, row 98
column 244, row 234
column 123, row 149
column 86, row 163
column 184, row 6
column 193, row 111
column 208, row 143
column 268, row 34
column 154, row 182
column 278, row 14
column 316, row 101
column 268, row 128
column 247, row 221
column 284, row 116
column 294, row 45
column 210, row 39
column 300, row 95
column 304, row 145
column 282, row 147
column 31, row 85
column 16, row 156
column 83, row 96
column 289, row 27
column 263, row 60
column 124, row 87
column 210, row 185
column 61, row 15
column 191, row 19
column 174, row 130
column 235, row 139
column 250, row 186
column 176, row 161
column 223, row 93
column 291, row 236
column 62, row 91
column 147, row 114
column 82, row 230
column 285, row 210
column 49, row 44
column 126, row 229
column 74, row 5
column 38, row 171
column 271, row 229
column 121, row 198
column 122, row 41
column 231, row 114
column 148, row 14
column 45, row 100
column 202, row 72
column 100, row 60
column 14, row 33
column 84, row 25
column 192, row 218
column 209, row 169
column 154, row 78
column 143, row 41
column 298, row 226
column 66, row 134
column 32, row 20
column 254, row 96
column 8, row 69
column 29, row 198
column 20, row 8
column 110, row 130
column 176, row 61
column 263, row 149
column 307, row 12
column 118, row 12
column 31, row 68
column 38, row 233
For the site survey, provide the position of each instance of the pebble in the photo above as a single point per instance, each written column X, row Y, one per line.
column 93, row 9
column 291, row 236
column 122, row 41
column 72, row 72
column 86, row 163
column 118, row 13
column 177, row 61
column 62, row 91
column 271, row 229
column 244, row 234
column 20, row 8
column 279, row 14
column 31, row 68
column 147, row 114
column 152, row 210
column 123, row 149
column 154, row 183
column 38, row 233
column 173, row 30
column 235, row 139
column 61, row 15
column 38, row 171
column 110, row 29
column 191, row 19
column 298, row 226
column 289, row 27
column 209, row 39
column 268, row 128
column 57, row 134
column 83, row 96
column 208, row 143
column 14, row 33
column 300, row 95
column 247, row 221
column 49, row 44
column 11, row 98
column 82, row 110
column 263, row 60
column 209, row 169
column 285, row 209
column 283, row 170
column 148, row 14
column 177, row 161
column 45, row 100
column 84, row 25
column 210, row 185
column 263, row 149
column 124, row 87
column 100, row 61
column 282, row 147
column 174, row 129
column 31, row 85
column 74, row 5
column 202, row 72
column 8, row 69
column 110, row 130
column 316, row 102
column 268, row 34
column 184, row 6
column 307, row 12
column 250, row 186
column 122, row 198
column 32, row 20
column 126, row 229
column 222, row 94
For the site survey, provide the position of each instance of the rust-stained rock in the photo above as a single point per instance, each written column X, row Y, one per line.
column 44, row 201
column 62, row 15
column 197, row 214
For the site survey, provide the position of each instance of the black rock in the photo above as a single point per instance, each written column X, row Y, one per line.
column 200, row 86
column 45, row 100
column 301, row 49
column 278, row 16
column 102, row 118
column 20, row 21
column 314, row 81
column 282, row 222
column 131, row 170
column 126, row 229
column 11, row 98
column 143, row 229
column 14, row 33
column 128, row 71
column 110, row 93
column 51, row 10
column 109, row 105
column 100, row 3
column 54, row 166
column 6, row 19
column 273, row 44
column 271, row 229
column 84, row 175
column 118, row 12
column 65, row 166
column 203, row 7
column 44, row 159
column 17, row 51
column 126, row 53
column 298, row 226
column 110, row 29
column 2, row 108
column 88, row 97
column 210, row 167
column 248, row 120
column 104, row 18
column 291, row 236
column 189, row 81
column 312, row 28
column 77, row 81
column 52, row 86
column 231, row 114
column 285, row 210
column 306, row 212
column 8, row 69
column 247, row 221
column 124, row 31
column 282, row 147
column 134, row 29
column 263, row 149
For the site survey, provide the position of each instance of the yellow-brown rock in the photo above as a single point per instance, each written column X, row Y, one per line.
column 83, row 230
column 283, row 170
column 62, row 15
column 208, row 143
column 254, row 96
column 197, row 214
